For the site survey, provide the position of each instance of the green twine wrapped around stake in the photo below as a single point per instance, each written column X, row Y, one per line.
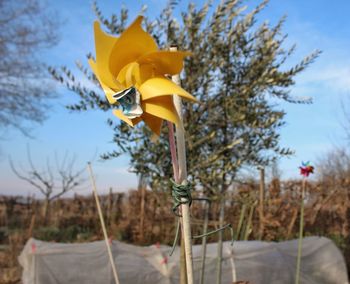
column 181, row 194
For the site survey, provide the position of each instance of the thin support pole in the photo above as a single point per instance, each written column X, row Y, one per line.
column 93, row 183
column 261, row 203
column 239, row 234
column 220, row 237
column 185, row 209
column 204, row 241
column 301, row 230
column 172, row 145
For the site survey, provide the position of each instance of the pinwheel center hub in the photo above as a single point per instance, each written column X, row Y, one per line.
column 130, row 101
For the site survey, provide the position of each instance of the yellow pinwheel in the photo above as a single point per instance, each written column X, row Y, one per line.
column 133, row 74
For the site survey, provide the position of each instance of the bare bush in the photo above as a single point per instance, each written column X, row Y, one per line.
column 52, row 181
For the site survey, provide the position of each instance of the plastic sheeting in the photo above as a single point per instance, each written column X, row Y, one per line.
column 253, row 261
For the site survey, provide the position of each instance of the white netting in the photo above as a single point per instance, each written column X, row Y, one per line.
column 257, row 262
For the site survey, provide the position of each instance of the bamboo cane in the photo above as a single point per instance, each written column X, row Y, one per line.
column 185, row 209
column 93, row 183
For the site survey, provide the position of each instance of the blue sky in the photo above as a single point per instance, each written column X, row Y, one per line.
column 311, row 129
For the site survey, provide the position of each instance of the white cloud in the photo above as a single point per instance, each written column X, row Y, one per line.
column 333, row 78
column 122, row 170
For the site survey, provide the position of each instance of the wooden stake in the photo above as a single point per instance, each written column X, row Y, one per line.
column 31, row 226
column 185, row 209
column 183, row 271
column 93, row 183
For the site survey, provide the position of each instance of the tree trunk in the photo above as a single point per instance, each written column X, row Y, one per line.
column 46, row 210
column 110, row 207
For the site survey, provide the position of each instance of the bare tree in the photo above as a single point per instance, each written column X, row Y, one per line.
column 52, row 181
column 26, row 29
column 333, row 170
column 345, row 123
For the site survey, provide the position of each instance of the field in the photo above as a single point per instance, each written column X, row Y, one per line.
column 144, row 217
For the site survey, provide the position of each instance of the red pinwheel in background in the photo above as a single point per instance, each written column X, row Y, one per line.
column 306, row 169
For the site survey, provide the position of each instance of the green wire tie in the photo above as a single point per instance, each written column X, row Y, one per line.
column 181, row 194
